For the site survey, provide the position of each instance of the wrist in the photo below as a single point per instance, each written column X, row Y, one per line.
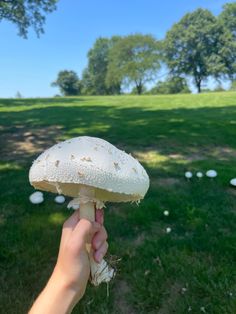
column 57, row 297
column 63, row 290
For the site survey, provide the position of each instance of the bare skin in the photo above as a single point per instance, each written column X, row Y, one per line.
column 69, row 279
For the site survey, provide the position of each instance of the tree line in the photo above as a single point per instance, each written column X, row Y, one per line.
column 199, row 46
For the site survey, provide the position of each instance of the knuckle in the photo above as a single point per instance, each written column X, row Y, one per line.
column 106, row 245
column 65, row 224
column 105, row 235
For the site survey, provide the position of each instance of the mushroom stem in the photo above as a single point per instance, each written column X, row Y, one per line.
column 87, row 211
column 100, row 272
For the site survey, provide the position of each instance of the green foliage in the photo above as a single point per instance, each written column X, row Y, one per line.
column 233, row 86
column 25, row 13
column 134, row 59
column 200, row 46
column 219, row 88
column 228, row 17
column 173, row 85
column 135, row 92
column 68, row 83
column 94, row 75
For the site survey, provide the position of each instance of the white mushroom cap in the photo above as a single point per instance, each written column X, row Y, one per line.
column 37, row 194
column 59, row 199
column 36, row 198
column 188, row 174
column 199, row 174
column 233, row 182
column 211, row 173
column 93, row 162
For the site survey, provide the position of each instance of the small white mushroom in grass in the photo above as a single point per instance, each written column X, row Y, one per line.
column 59, row 199
column 199, row 174
column 97, row 176
column 36, row 197
column 211, row 174
column 188, row 174
column 38, row 194
column 168, row 230
column 233, row 182
column 166, row 213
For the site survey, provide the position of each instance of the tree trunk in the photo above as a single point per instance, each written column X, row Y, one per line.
column 139, row 88
column 198, row 84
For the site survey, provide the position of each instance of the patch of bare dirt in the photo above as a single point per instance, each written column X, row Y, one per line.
column 232, row 191
column 174, row 293
column 165, row 182
column 22, row 143
column 139, row 240
column 159, row 154
column 121, row 304
column 220, row 153
column 224, row 153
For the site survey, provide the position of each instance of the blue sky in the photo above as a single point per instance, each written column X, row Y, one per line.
column 29, row 66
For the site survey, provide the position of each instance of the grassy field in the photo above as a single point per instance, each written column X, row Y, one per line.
column 190, row 270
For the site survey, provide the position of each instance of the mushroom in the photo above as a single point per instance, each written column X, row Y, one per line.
column 199, row 174
column 188, row 174
column 97, row 173
column 36, row 197
column 211, row 173
column 59, row 199
column 233, row 182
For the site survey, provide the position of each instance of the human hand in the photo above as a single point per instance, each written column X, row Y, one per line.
column 68, row 281
column 73, row 266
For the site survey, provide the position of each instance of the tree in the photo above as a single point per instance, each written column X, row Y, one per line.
column 68, row 83
column 228, row 17
column 233, row 86
column 18, row 95
column 200, row 46
column 134, row 59
column 26, row 13
column 173, row 85
column 95, row 74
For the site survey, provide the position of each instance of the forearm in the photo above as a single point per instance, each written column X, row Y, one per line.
column 56, row 298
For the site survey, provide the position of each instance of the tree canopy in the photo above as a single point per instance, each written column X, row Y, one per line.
column 134, row 59
column 228, row 17
column 172, row 85
column 200, row 46
column 26, row 14
column 95, row 74
column 68, row 83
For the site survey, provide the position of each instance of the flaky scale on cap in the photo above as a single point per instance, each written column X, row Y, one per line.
column 93, row 162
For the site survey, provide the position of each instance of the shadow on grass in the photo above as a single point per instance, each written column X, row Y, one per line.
column 177, row 131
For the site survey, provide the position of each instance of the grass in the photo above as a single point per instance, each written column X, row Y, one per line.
column 192, row 269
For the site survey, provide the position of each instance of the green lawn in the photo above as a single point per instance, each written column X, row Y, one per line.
column 190, row 270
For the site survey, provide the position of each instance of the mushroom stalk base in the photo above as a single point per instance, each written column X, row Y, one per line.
column 100, row 272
